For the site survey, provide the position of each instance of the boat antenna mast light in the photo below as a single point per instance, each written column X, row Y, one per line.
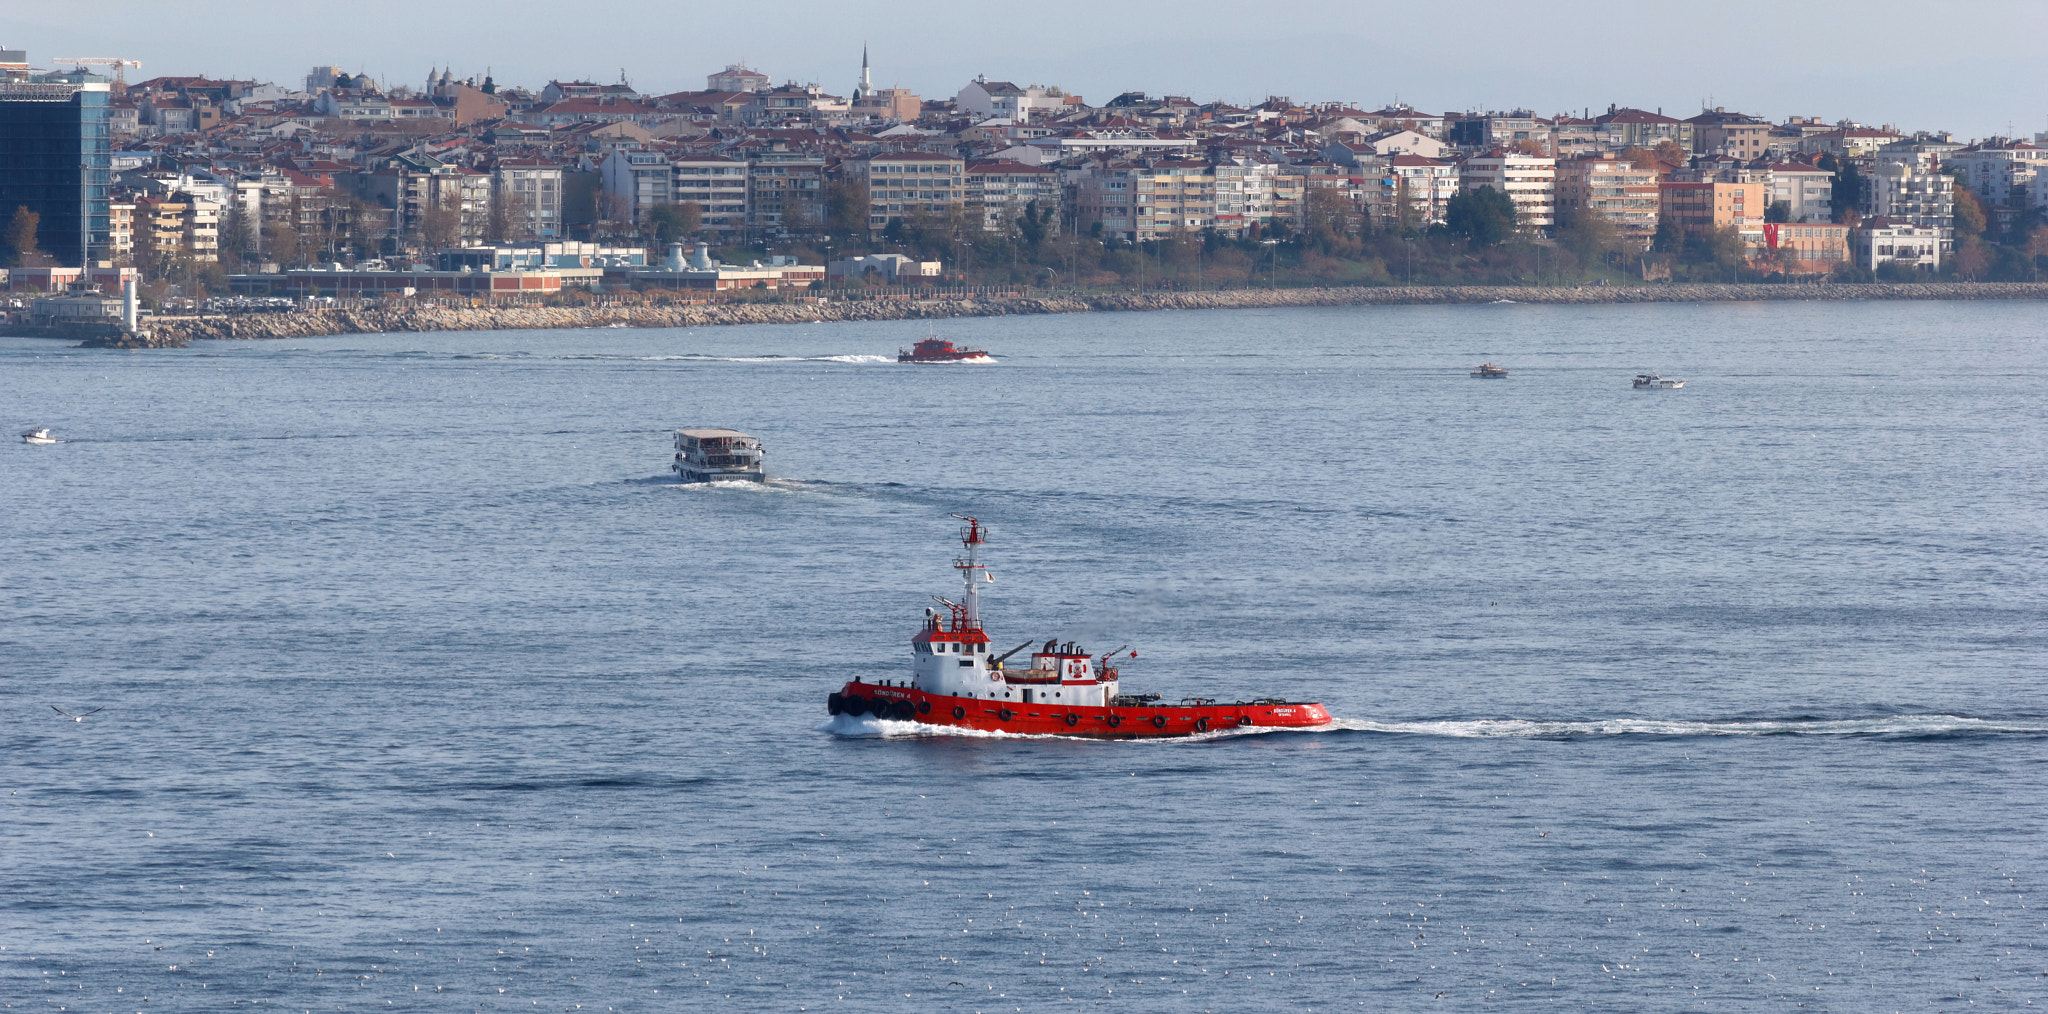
column 967, row 615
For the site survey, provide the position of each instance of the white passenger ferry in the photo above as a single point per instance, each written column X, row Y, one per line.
column 718, row 456
column 1657, row 383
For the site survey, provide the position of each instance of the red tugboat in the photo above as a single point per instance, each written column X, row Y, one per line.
column 934, row 349
column 1067, row 691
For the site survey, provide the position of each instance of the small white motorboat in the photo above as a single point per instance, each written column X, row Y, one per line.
column 39, row 435
column 1651, row 380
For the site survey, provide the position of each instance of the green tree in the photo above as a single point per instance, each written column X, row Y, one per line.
column 846, row 208
column 670, row 223
column 1484, row 216
column 237, row 237
column 1669, row 239
column 1034, row 224
column 1849, row 186
column 1778, row 212
column 1969, row 215
column 20, row 244
column 1588, row 235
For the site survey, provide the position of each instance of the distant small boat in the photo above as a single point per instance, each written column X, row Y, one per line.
column 39, row 435
column 1489, row 371
column 934, row 349
column 1651, row 380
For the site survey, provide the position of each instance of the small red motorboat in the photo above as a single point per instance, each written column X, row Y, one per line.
column 1067, row 690
column 934, row 349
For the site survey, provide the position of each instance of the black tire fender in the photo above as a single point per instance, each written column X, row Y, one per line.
column 1073, row 719
column 1159, row 721
column 1201, row 725
column 1244, row 721
column 1005, row 714
column 924, row 707
column 855, row 705
column 1114, row 720
column 835, row 704
column 903, row 711
column 959, row 712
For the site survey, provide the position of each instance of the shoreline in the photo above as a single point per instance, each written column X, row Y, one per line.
column 171, row 331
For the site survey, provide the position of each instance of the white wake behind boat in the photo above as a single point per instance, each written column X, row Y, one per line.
column 39, row 435
column 1653, row 381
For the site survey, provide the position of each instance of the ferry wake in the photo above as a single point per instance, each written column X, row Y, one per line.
column 1067, row 690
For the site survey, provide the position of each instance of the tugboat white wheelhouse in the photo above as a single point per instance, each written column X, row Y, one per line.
column 1067, row 690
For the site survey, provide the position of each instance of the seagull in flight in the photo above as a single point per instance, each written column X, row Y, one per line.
column 77, row 718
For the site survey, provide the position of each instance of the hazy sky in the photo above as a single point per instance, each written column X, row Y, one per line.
column 1970, row 66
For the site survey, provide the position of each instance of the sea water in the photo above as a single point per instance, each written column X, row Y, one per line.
column 425, row 688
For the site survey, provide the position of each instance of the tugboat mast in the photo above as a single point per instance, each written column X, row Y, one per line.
column 971, row 570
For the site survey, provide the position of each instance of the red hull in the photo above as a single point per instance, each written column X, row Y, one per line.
column 1142, row 721
column 938, row 350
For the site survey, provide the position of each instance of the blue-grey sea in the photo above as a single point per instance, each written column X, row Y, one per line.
column 420, row 687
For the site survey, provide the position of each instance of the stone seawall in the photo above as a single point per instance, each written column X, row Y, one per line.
column 330, row 322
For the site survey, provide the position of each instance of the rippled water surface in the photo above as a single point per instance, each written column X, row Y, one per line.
column 424, row 689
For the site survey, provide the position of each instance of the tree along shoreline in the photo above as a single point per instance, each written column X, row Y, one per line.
column 313, row 323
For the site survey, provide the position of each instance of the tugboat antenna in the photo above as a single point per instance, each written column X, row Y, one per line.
column 970, row 568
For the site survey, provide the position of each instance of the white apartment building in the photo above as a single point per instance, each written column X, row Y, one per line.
column 999, row 192
column 1809, row 191
column 1246, row 193
column 986, row 98
column 1996, row 169
column 1427, row 184
column 1912, row 195
column 1530, row 181
column 1880, row 242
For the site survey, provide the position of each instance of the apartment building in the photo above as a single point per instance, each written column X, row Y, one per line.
column 431, row 203
column 1736, row 135
column 121, row 228
column 908, row 182
column 1612, row 189
column 1173, row 194
column 1103, row 200
column 1807, row 248
column 1529, row 181
column 1912, row 195
column 1881, row 241
column 635, row 182
column 718, row 186
column 529, row 196
column 2000, row 170
column 999, row 192
column 1807, row 191
column 1423, row 188
column 1640, row 128
column 1848, row 141
column 983, row 97
column 1248, row 190
column 167, row 230
column 784, row 189
column 1711, row 206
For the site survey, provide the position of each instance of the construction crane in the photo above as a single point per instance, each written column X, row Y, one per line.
column 120, row 65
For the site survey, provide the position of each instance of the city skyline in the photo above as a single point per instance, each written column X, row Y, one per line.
column 1830, row 61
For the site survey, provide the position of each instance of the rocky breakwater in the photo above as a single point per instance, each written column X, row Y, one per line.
column 1569, row 295
column 306, row 324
